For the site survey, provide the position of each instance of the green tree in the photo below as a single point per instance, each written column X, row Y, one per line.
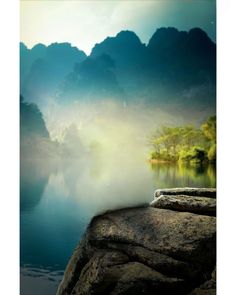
column 209, row 129
column 185, row 143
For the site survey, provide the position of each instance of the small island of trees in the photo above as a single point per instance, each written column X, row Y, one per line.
column 185, row 144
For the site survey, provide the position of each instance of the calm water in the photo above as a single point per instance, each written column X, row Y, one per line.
column 59, row 199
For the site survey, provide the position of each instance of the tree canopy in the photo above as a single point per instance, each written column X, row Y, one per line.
column 185, row 143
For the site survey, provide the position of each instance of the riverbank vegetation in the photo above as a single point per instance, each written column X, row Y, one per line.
column 185, row 143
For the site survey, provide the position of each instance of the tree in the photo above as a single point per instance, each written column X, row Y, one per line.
column 209, row 129
column 185, row 143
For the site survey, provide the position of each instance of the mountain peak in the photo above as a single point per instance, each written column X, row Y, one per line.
column 198, row 32
column 64, row 49
column 128, row 35
column 198, row 36
column 171, row 37
column 39, row 46
column 125, row 43
column 164, row 37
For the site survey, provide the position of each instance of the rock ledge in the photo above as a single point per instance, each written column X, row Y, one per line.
column 165, row 248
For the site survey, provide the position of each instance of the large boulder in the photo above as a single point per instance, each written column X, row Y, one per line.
column 143, row 250
column 199, row 205
column 196, row 200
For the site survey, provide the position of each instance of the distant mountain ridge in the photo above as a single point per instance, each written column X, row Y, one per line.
column 172, row 59
column 43, row 68
column 175, row 66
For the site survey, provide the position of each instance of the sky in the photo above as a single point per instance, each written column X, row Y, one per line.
column 85, row 23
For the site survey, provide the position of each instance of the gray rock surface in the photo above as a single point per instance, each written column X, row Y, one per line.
column 145, row 251
column 207, row 288
column 199, row 205
column 188, row 191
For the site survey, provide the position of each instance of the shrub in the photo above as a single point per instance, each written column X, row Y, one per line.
column 163, row 156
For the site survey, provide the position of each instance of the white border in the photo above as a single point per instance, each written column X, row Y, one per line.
column 226, row 176
column 9, row 147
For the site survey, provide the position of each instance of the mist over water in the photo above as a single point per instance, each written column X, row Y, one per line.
column 113, row 131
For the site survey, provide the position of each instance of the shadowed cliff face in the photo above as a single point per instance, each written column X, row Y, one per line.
column 183, row 58
column 92, row 79
column 31, row 120
column 34, row 136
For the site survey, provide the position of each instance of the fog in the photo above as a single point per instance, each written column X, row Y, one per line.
column 116, row 129
column 100, row 151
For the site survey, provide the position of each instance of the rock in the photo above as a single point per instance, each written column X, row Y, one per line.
column 142, row 251
column 119, row 276
column 199, row 205
column 198, row 192
column 208, row 288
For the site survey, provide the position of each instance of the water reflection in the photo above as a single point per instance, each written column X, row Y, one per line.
column 58, row 199
column 33, row 181
column 181, row 175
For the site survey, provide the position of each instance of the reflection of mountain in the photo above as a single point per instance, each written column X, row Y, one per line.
column 33, row 179
column 174, row 67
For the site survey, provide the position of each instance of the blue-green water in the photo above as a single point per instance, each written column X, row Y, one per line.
column 58, row 199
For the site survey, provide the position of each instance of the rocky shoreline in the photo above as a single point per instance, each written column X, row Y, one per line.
column 166, row 248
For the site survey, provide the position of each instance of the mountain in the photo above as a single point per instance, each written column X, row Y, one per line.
column 92, row 79
column 43, row 68
column 31, row 120
column 129, row 56
column 173, row 65
column 125, row 49
column 184, row 57
column 173, row 68
column 35, row 141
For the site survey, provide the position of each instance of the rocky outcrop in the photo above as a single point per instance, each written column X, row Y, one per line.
column 196, row 200
column 188, row 191
column 145, row 250
column 199, row 205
